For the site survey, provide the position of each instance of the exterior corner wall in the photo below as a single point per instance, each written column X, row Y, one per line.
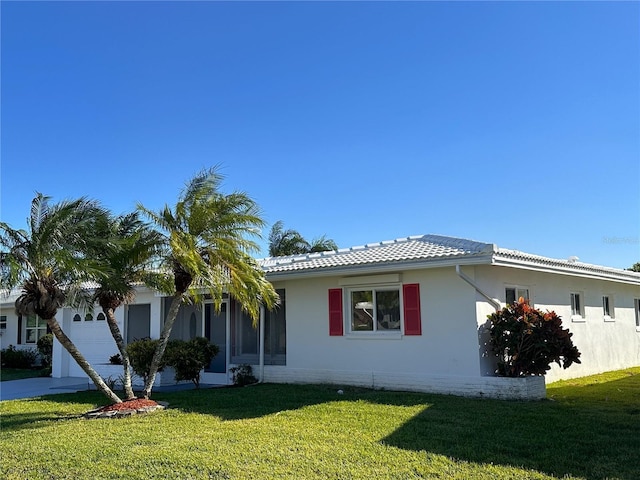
column 604, row 345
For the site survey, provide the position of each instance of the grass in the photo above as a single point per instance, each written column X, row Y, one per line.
column 589, row 428
column 7, row 374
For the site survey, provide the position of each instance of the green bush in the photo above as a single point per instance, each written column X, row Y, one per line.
column 243, row 375
column 527, row 341
column 14, row 358
column 188, row 358
column 140, row 355
column 115, row 359
column 45, row 348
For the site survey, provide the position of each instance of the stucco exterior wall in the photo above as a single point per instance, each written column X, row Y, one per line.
column 9, row 335
column 605, row 344
column 442, row 359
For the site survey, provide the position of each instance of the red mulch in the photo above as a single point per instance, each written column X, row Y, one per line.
column 133, row 404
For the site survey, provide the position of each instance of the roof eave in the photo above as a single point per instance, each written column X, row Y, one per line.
column 579, row 270
column 374, row 268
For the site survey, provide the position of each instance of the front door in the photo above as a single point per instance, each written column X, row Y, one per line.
column 215, row 330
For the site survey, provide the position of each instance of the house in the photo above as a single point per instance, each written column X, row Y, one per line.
column 406, row 314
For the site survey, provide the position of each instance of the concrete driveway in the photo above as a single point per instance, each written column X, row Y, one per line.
column 34, row 387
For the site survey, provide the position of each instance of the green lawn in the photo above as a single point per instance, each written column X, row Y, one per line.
column 588, row 429
column 7, row 374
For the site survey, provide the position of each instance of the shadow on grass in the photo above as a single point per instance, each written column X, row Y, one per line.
column 592, row 431
column 584, row 432
column 72, row 406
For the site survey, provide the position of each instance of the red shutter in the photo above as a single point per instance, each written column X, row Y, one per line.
column 335, row 312
column 412, row 317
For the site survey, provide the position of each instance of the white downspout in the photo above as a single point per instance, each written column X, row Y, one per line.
column 464, row 277
column 261, row 344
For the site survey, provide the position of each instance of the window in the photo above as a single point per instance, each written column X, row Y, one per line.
column 36, row 329
column 77, row 317
column 513, row 293
column 636, row 307
column 577, row 309
column 101, row 317
column 88, row 317
column 3, row 322
column 607, row 308
column 376, row 310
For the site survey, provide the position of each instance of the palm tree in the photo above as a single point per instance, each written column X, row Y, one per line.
column 286, row 242
column 322, row 244
column 208, row 235
column 128, row 259
column 50, row 261
column 289, row 242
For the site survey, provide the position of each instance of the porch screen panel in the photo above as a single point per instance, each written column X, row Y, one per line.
column 244, row 338
column 138, row 322
column 275, row 333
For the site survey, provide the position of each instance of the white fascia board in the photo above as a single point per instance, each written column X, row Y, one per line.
column 372, row 269
column 564, row 270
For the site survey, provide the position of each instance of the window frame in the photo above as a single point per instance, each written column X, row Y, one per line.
column 577, row 314
column 41, row 325
column 636, row 308
column 608, row 308
column 375, row 332
column 516, row 288
column 3, row 322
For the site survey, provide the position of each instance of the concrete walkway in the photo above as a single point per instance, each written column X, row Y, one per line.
column 34, row 387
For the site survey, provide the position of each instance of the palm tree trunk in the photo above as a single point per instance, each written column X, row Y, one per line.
column 126, row 363
column 162, row 343
column 79, row 358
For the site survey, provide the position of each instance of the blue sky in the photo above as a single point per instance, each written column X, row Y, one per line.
column 511, row 123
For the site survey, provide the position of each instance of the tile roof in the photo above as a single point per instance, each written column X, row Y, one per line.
column 409, row 249
column 418, row 250
column 523, row 259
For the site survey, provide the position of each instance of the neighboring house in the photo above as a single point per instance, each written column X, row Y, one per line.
column 406, row 314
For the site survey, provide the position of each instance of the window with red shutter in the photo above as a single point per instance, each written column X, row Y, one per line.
column 336, row 323
column 412, row 316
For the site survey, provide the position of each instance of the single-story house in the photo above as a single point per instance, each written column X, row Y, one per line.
column 406, row 314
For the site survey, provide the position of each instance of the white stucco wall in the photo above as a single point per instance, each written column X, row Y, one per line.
column 445, row 358
column 9, row 335
column 604, row 345
column 448, row 344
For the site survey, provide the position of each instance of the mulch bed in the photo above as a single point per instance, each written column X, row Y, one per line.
column 126, row 409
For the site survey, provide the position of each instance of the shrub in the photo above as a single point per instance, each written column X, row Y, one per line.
column 243, row 375
column 140, row 354
column 45, row 348
column 190, row 357
column 14, row 358
column 526, row 341
column 115, row 359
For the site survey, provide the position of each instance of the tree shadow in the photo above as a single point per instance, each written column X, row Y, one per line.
column 591, row 431
column 32, row 418
column 589, row 435
column 255, row 401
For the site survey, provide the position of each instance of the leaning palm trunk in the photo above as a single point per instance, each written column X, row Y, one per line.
column 126, row 363
column 162, row 343
column 79, row 358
